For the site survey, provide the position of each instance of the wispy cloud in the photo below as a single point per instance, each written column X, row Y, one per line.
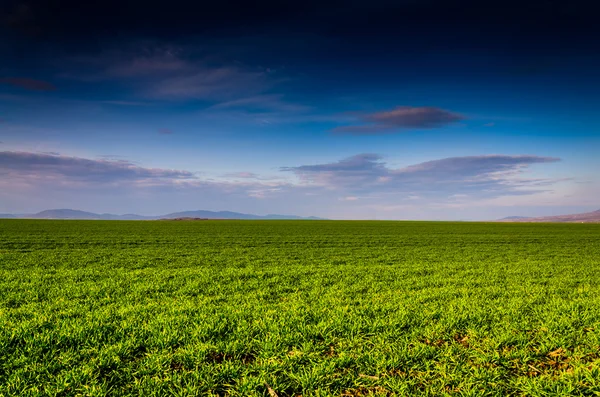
column 29, row 84
column 399, row 119
column 220, row 83
column 356, row 185
column 51, row 172
column 486, row 175
column 262, row 102
column 249, row 175
column 56, row 168
column 165, row 131
column 169, row 73
column 242, row 174
column 126, row 103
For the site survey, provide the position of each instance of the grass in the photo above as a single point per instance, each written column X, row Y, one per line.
column 289, row 308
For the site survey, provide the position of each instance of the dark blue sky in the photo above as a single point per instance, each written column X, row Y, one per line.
column 380, row 109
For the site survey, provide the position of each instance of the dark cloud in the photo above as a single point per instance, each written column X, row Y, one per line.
column 47, row 167
column 488, row 175
column 29, row 84
column 401, row 118
column 165, row 131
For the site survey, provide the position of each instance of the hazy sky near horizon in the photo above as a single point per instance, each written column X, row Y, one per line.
column 363, row 110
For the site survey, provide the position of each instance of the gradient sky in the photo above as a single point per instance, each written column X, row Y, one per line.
column 357, row 109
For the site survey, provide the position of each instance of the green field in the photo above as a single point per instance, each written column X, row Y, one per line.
column 289, row 308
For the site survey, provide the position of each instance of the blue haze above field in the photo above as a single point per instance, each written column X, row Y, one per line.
column 373, row 110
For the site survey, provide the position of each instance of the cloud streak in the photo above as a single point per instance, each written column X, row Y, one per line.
column 168, row 73
column 399, row 119
column 221, row 83
column 480, row 176
column 47, row 174
column 52, row 167
column 274, row 102
column 361, row 180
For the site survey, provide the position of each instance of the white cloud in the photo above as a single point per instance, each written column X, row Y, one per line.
column 362, row 186
column 473, row 176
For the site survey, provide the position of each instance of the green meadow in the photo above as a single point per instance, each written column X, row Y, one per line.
column 298, row 308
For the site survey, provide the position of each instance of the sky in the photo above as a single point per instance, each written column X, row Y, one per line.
column 406, row 109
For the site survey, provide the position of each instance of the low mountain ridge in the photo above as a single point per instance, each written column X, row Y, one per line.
column 64, row 213
column 229, row 215
column 586, row 217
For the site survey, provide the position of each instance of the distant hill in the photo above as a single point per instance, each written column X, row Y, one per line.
column 513, row 218
column 66, row 214
column 210, row 215
column 228, row 215
column 586, row 217
column 76, row 214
